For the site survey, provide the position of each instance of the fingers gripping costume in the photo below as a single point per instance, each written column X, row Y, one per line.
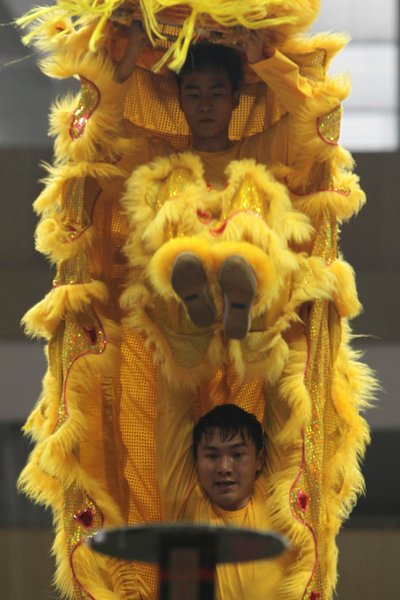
column 124, row 197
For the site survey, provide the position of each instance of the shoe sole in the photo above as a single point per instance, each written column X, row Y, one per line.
column 239, row 286
column 189, row 281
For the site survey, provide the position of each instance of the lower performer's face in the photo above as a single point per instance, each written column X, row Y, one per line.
column 207, row 102
column 227, row 469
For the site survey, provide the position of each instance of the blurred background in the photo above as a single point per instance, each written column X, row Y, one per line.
column 370, row 541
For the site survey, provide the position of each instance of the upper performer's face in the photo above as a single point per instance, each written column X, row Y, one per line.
column 207, row 101
column 227, row 469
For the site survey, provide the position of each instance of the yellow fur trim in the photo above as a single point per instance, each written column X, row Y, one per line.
column 43, row 318
column 263, row 266
column 287, row 17
column 103, row 133
column 345, row 295
column 331, row 43
column 310, row 148
column 278, row 213
column 59, row 174
column 248, row 227
column 52, row 240
column 54, row 465
column 160, row 267
column 353, row 389
column 288, row 410
column 312, row 281
column 343, row 200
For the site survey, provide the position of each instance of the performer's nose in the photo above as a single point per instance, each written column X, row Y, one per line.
column 205, row 107
column 224, row 465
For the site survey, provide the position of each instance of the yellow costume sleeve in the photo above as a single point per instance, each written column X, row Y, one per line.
column 283, row 76
column 303, row 144
column 176, row 473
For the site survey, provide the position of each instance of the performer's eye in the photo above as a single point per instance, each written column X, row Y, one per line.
column 238, row 454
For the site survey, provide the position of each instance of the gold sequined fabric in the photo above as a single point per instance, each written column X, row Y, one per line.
column 225, row 386
column 73, row 271
column 137, row 422
column 152, row 105
column 88, row 102
column 307, row 491
column 82, row 520
column 329, row 126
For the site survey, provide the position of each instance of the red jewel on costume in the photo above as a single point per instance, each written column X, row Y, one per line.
column 302, row 500
column 204, row 216
column 85, row 517
column 315, row 596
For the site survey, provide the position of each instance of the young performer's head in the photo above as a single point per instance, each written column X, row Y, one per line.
column 208, row 86
column 228, row 444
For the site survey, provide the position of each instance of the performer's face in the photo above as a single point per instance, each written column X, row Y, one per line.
column 207, row 101
column 227, row 469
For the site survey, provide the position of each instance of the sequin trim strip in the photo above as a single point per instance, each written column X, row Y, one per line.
column 88, row 102
column 81, row 342
column 299, row 501
column 82, row 536
column 329, row 126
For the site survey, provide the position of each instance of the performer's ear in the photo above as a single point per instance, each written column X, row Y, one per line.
column 260, row 461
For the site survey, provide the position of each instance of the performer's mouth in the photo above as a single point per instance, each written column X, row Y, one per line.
column 225, row 485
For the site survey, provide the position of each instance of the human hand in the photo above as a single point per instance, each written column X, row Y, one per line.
column 136, row 41
column 261, row 44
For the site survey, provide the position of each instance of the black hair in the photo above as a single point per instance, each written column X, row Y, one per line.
column 230, row 420
column 222, row 58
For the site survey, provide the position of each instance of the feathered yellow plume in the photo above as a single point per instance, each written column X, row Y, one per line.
column 190, row 16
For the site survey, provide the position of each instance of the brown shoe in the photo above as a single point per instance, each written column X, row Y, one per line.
column 239, row 286
column 189, row 281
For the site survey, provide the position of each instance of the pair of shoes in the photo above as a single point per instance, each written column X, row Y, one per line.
column 238, row 286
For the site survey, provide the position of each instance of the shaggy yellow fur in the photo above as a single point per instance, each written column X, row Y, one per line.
column 161, row 264
column 345, row 295
column 43, row 318
column 282, row 15
column 54, row 465
column 299, row 293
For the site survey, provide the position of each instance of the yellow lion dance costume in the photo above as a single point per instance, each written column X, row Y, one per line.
column 113, row 321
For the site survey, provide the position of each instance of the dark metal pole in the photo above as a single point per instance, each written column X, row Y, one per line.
column 187, row 567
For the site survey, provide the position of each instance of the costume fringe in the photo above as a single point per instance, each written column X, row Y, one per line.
column 161, row 264
column 54, row 464
column 43, row 318
column 345, row 296
column 280, row 216
column 353, row 390
column 284, row 16
column 344, row 200
column 288, row 411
